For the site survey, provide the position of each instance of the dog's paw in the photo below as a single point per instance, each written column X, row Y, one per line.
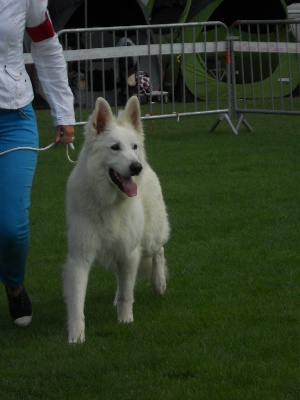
column 73, row 340
column 76, row 331
column 76, row 337
column 159, row 285
column 125, row 314
column 128, row 320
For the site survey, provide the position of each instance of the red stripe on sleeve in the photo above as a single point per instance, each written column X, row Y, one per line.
column 42, row 31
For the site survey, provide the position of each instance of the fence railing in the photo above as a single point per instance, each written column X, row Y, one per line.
column 188, row 66
column 192, row 69
column 265, row 67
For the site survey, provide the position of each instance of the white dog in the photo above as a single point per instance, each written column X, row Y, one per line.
column 115, row 211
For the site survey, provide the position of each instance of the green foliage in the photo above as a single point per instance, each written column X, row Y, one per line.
column 228, row 325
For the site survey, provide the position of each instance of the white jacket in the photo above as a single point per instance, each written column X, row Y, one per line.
column 15, row 85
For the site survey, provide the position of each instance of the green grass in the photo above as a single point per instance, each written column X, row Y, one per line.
column 228, row 325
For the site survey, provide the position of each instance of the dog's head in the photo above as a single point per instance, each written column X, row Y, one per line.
column 116, row 144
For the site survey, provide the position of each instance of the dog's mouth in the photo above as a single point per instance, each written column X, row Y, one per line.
column 125, row 184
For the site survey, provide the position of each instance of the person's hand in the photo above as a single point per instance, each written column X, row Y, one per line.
column 64, row 134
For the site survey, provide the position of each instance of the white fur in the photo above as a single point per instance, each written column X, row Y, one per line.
column 104, row 224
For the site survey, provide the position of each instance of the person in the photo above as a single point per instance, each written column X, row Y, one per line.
column 18, row 128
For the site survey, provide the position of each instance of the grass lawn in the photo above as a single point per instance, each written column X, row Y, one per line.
column 228, row 327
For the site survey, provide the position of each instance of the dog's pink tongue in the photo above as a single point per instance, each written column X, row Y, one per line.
column 129, row 187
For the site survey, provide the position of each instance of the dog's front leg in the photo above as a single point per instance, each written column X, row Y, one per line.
column 75, row 278
column 126, row 274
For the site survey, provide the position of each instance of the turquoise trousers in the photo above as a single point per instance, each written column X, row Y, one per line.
column 18, row 128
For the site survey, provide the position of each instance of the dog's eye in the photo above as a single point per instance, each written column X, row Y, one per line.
column 115, row 147
column 134, row 146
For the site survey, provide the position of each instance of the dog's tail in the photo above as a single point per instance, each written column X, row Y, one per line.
column 145, row 268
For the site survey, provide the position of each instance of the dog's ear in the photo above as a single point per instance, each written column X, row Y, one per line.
column 132, row 113
column 102, row 115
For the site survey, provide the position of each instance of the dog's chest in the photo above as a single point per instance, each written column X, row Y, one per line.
column 115, row 242
column 120, row 227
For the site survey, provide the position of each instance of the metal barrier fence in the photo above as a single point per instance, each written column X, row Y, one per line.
column 190, row 69
column 188, row 66
column 265, row 67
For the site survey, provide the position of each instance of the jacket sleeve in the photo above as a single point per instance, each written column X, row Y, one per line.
column 51, row 68
column 48, row 58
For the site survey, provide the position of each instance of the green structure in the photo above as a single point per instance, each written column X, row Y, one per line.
column 254, row 72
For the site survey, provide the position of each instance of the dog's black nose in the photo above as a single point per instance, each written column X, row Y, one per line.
column 135, row 168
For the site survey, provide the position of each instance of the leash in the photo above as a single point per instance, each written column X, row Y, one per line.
column 70, row 145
